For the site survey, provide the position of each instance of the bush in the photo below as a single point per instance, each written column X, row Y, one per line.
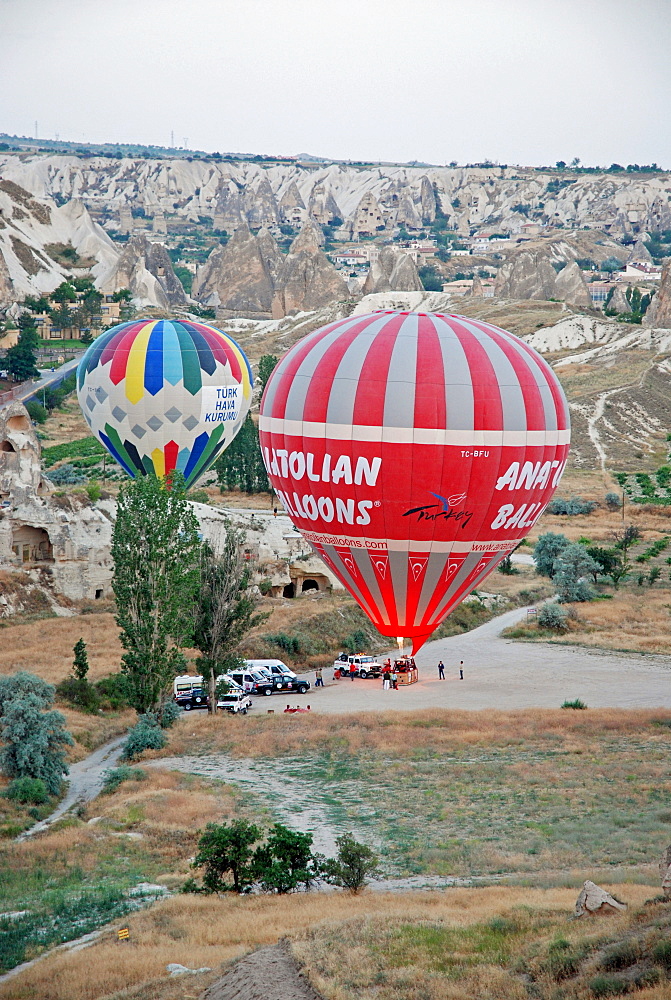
column 146, row 735
column 170, row 713
column 79, row 693
column 570, row 567
column 28, row 791
column 94, row 490
column 225, row 849
column 66, row 475
column 572, row 507
column 553, row 616
column 620, row 956
column 613, row 501
column 115, row 777
column 353, row 866
column 266, row 586
column 114, row 692
column 36, row 411
column 547, row 549
column 563, row 959
column 33, row 740
column 662, row 954
column 609, row 986
column 576, row 704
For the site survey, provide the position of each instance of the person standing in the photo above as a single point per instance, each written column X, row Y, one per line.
column 461, row 670
column 441, row 670
column 394, row 679
column 385, row 679
column 352, row 671
column 319, row 680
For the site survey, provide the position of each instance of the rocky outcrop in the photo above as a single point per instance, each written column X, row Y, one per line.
column 477, row 289
column 528, row 275
column 593, row 900
column 147, row 270
column 20, row 469
column 427, row 200
column 307, row 279
column 292, row 206
column 393, row 271
column 271, row 254
column 618, row 301
column 368, row 217
column 570, row 286
column 229, row 209
column 659, row 311
column 665, row 872
column 322, row 206
column 237, row 279
column 7, row 293
column 640, row 254
column 260, row 205
column 407, row 214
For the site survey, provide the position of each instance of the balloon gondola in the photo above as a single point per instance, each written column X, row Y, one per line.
column 413, row 451
column 164, row 394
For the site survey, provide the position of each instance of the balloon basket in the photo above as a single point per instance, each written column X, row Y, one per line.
column 406, row 671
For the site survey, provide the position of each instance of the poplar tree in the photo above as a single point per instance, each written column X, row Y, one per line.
column 155, row 548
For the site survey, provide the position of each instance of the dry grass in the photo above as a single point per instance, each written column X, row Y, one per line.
column 203, row 931
column 65, row 424
column 424, row 954
column 404, row 734
column 45, row 647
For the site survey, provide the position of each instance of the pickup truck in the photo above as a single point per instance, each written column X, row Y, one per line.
column 365, row 666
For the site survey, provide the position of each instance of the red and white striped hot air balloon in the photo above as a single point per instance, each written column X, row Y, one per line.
column 413, row 451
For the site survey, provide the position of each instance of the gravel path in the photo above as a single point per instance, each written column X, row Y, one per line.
column 267, row 974
column 500, row 673
column 85, row 782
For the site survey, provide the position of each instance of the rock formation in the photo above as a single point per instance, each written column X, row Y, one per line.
column 271, row 254
column 368, row 217
column 292, row 206
column 570, row 286
column 665, row 872
column 20, row 469
column 229, row 211
column 147, row 270
column 659, row 310
column 427, row 200
column 640, row 254
column 393, row 271
column 407, row 214
column 618, row 301
column 322, row 205
column 260, row 205
column 593, row 900
column 307, row 279
column 477, row 290
column 7, row 293
column 527, row 275
column 237, row 279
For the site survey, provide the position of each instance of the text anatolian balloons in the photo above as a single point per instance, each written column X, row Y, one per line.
column 413, row 451
column 164, row 395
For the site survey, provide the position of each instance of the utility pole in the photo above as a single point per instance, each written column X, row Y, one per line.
column 172, row 139
column 36, row 128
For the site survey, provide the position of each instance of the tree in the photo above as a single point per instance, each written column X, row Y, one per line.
column 224, row 610
column 611, row 264
column 626, row 537
column 546, row 550
column 20, row 359
column 285, row 861
column 267, row 364
column 353, row 866
column 155, row 548
column 80, row 665
column 225, row 849
column 613, row 501
column 241, row 466
column 606, row 560
column 430, row 279
column 553, row 616
column 66, row 292
column 33, row 738
column 571, row 566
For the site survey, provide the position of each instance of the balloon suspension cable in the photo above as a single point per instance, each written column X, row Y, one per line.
column 399, row 643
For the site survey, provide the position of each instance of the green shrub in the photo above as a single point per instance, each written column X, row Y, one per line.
column 115, row 777
column 28, row 791
column 620, row 956
column 170, row 713
column 553, row 616
column 114, row 692
column 266, row 586
column 357, row 641
column 79, row 693
column 661, row 954
column 72, row 449
column 576, row 704
column 93, row 490
column 66, row 475
column 609, row 986
column 144, row 736
column 563, row 959
column 36, row 411
column 613, row 501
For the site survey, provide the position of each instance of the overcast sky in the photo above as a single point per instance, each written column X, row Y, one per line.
column 515, row 81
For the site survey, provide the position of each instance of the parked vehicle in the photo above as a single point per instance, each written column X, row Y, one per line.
column 235, row 700
column 253, row 682
column 365, row 666
column 189, row 692
column 289, row 680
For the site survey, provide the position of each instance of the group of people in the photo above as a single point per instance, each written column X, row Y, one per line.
column 389, row 676
column 441, row 670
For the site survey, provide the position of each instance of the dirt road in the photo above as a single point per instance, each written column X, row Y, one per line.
column 500, row 673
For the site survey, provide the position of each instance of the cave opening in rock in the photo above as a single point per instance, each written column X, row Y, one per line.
column 289, row 591
column 309, row 584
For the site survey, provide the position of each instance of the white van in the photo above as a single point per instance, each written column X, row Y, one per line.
column 188, row 692
column 283, row 675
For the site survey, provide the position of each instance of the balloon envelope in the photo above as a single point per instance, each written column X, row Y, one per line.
column 413, row 451
column 164, row 394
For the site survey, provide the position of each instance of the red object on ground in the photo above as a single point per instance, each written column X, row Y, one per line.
column 413, row 451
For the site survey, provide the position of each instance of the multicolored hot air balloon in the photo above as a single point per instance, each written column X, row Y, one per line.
column 413, row 451
column 164, row 395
